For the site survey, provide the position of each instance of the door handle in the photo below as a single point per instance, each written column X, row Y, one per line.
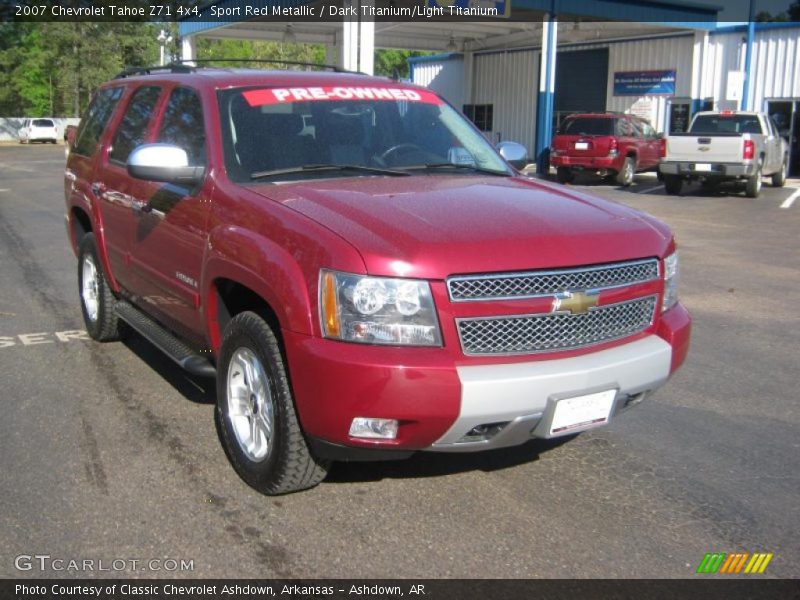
column 140, row 207
column 99, row 188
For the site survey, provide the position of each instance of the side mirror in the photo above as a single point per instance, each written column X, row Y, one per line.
column 514, row 153
column 163, row 162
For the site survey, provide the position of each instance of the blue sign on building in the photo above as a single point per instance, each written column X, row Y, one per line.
column 644, row 83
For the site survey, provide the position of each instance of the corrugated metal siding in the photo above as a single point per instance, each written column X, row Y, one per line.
column 775, row 65
column 445, row 77
column 509, row 81
column 657, row 54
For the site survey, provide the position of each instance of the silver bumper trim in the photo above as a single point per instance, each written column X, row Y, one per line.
column 521, row 393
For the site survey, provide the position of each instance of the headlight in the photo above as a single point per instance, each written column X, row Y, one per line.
column 377, row 310
column 671, row 269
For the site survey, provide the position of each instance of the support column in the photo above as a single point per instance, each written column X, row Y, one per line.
column 748, row 57
column 699, row 54
column 547, row 80
column 366, row 40
column 356, row 51
column 188, row 49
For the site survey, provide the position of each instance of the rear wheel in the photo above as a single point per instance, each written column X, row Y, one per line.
column 625, row 175
column 752, row 187
column 564, row 175
column 256, row 413
column 673, row 184
column 779, row 178
column 97, row 299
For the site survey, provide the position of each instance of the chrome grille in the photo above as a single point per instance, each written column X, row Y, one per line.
column 547, row 283
column 555, row 331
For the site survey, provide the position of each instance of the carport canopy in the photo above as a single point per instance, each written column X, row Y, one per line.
column 350, row 43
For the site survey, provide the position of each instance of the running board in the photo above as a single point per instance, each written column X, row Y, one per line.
column 162, row 339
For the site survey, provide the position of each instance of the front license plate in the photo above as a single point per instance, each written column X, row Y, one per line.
column 702, row 167
column 582, row 412
column 581, row 145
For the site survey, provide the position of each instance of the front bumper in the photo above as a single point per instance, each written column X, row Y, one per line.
column 438, row 401
column 716, row 170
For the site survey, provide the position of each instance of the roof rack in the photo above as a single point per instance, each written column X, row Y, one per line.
column 170, row 68
column 273, row 61
column 188, row 66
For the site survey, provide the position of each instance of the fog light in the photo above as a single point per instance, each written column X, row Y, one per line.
column 363, row 427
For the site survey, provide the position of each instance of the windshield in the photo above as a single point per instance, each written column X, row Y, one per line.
column 42, row 123
column 588, row 126
column 726, row 124
column 377, row 129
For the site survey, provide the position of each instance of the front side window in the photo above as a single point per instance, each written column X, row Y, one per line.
column 387, row 127
column 183, row 126
column 95, row 120
column 133, row 127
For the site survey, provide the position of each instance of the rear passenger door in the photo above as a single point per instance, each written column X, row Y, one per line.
column 169, row 229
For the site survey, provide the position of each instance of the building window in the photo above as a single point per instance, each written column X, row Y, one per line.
column 480, row 114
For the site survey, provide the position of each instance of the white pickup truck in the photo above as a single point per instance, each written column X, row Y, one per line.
column 725, row 146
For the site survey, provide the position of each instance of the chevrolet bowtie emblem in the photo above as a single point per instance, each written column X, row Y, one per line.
column 575, row 302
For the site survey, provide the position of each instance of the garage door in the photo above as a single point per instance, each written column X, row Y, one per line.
column 581, row 81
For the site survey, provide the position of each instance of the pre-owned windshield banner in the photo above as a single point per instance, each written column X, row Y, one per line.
column 325, row 93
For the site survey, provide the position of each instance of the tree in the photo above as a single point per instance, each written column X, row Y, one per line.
column 387, row 61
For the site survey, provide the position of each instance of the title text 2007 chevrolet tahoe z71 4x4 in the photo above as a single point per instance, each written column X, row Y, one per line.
column 362, row 272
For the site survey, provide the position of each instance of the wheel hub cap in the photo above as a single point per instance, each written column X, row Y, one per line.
column 89, row 288
column 250, row 407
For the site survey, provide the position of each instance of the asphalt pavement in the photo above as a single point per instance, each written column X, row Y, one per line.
column 109, row 452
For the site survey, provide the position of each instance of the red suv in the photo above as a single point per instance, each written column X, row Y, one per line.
column 362, row 272
column 608, row 144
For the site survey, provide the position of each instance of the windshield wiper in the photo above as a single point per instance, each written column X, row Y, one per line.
column 447, row 165
column 327, row 167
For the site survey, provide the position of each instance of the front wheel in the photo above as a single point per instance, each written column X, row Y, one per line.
column 673, row 184
column 256, row 413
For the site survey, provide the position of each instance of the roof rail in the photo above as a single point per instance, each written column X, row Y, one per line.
column 273, row 61
column 170, row 68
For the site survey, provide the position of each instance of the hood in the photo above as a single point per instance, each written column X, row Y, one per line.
column 433, row 226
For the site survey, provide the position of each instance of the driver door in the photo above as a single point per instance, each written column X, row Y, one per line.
column 170, row 229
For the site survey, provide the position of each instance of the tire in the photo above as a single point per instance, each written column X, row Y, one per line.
column 256, row 414
column 673, row 184
column 97, row 299
column 625, row 175
column 752, row 187
column 564, row 175
column 779, row 178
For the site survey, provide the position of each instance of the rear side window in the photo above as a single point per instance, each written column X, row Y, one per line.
column 183, row 125
column 589, row 126
column 133, row 127
column 43, row 123
column 95, row 120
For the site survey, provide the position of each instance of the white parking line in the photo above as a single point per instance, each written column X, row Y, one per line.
column 651, row 190
column 790, row 200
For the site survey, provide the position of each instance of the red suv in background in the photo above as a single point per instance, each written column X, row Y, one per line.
column 607, row 144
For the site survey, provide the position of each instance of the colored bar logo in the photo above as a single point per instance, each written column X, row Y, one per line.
column 734, row 563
